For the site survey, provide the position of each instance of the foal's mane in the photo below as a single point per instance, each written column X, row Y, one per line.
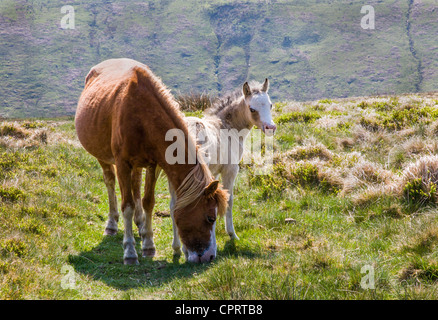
column 230, row 108
column 231, row 100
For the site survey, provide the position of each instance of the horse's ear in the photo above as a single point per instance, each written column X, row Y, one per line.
column 265, row 86
column 246, row 89
column 211, row 188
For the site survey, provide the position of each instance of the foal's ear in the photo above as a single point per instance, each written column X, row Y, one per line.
column 265, row 86
column 211, row 188
column 246, row 89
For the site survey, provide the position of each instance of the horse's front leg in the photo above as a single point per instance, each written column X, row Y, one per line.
column 147, row 233
column 228, row 179
column 176, row 244
column 128, row 206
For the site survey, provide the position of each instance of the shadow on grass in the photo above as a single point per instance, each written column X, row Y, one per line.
column 105, row 263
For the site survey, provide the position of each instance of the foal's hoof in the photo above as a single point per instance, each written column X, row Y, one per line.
column 233, row 236
column 130, row 261
column 109, row 232
column 149, row 253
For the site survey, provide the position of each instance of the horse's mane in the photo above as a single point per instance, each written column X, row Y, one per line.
column 199, row 177
column 193, row 186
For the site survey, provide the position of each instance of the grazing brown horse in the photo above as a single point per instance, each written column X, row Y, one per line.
column 122, row 118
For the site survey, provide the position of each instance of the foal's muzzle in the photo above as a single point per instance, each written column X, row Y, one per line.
column 269, row 129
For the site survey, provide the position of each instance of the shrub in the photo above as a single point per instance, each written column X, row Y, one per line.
column 418, row 192
column 421, row 268
column 296, row 116
column 418, row 184
column 8, row 161
column 326, row 101
column 10, row 129
column 270, row 185
column 304, row 174
column 15, row 246
column 33, row 226
column 311, row 175
column 11, row 194
column 371, row 124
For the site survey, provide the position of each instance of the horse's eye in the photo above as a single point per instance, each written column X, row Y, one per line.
column 251, row 109
column 211, row 219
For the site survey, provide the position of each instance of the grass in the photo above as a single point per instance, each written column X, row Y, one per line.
column 326, row 211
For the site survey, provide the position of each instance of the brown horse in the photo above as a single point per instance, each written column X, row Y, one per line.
column 122, row 118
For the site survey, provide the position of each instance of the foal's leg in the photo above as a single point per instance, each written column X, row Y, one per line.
column 110, row 181
column 147, row 232
column 128, row 207
column 176, row 244
column 228, row 179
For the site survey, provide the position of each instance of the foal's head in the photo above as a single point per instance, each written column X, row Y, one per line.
column 259, row 107
column 196, row 223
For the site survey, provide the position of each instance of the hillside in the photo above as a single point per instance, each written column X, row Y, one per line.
column 309, row 49
column 354, row 186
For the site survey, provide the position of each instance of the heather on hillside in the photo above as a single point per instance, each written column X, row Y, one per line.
column 308, row 49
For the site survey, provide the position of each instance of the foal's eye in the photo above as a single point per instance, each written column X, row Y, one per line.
column 211, row 219
column 251, row 109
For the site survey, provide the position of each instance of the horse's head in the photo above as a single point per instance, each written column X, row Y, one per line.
column 196, row 223
column 259, row 107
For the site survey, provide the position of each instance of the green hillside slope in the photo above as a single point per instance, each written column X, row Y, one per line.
column 309, row 49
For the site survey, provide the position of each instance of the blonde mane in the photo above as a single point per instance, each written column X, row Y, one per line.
column 193, row 187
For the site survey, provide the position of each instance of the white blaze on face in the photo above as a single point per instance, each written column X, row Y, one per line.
column 262, row 104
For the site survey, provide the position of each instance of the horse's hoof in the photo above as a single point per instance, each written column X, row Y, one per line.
column 109, row 232
column 130, row 261
column 149, row 253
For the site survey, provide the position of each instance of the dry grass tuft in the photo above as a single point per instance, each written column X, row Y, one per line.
column 17, row 135
column 310, row 151
column 369, row 196
column 194, row 101
column 365, row 175
column 345, row 143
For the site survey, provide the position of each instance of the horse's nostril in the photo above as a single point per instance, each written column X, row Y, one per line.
column 211, row 257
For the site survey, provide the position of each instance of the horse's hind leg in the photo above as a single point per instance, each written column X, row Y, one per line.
column 124, row 175
column 148, row 201
column 110, row 181
column 136, row 186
